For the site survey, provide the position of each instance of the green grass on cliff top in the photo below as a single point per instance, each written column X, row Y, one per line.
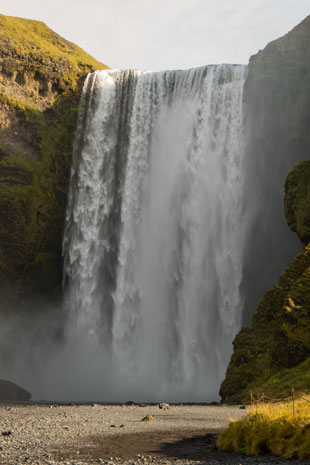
column 34, row 39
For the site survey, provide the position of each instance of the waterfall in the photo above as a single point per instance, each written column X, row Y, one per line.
column 153, row 237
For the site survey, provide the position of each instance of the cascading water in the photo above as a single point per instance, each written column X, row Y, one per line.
column 153, row 239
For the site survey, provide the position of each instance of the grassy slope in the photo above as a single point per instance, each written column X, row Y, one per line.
column 34, row 40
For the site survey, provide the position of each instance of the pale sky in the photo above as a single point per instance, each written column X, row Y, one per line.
column 165, row 34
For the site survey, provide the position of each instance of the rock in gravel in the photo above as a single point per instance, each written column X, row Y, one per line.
column 164, row 406
column 10, row 392
column 148, row 418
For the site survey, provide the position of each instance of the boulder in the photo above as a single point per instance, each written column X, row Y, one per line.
column 10, row 392
column 148, row 418
column 163, row 406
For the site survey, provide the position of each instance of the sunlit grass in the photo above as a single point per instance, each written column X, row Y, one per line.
column 271, row 429
column 34, row 39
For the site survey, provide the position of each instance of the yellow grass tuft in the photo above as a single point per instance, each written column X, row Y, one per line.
column 278, row 429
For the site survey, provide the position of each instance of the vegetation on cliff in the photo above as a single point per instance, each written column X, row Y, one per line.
column 273, row 355
column 41, row 75
column 33, row 41
column 297, row 201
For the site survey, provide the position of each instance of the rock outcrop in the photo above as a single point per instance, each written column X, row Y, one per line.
column 297, row 201
column 11, row 392
column 41, row 75
column 273, row 355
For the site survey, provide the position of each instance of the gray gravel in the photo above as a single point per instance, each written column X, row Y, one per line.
column 53, row 434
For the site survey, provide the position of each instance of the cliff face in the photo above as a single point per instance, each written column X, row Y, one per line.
column 277, row 102
column 272, row 354
column 41, row 75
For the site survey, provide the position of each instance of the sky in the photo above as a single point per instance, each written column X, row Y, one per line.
column 165, row 34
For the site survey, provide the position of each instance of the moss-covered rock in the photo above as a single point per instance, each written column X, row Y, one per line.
column 41, row 76
column 297, row 201
column 278, row 342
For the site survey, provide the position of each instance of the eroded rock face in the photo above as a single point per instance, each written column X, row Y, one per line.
column 10, row 392
column 41, row 75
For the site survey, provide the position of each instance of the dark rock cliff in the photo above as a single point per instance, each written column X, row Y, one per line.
column 272, row 354
column 277, row 102
column 41, row 75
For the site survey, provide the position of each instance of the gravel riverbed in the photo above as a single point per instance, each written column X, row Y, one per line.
column 114, row 434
